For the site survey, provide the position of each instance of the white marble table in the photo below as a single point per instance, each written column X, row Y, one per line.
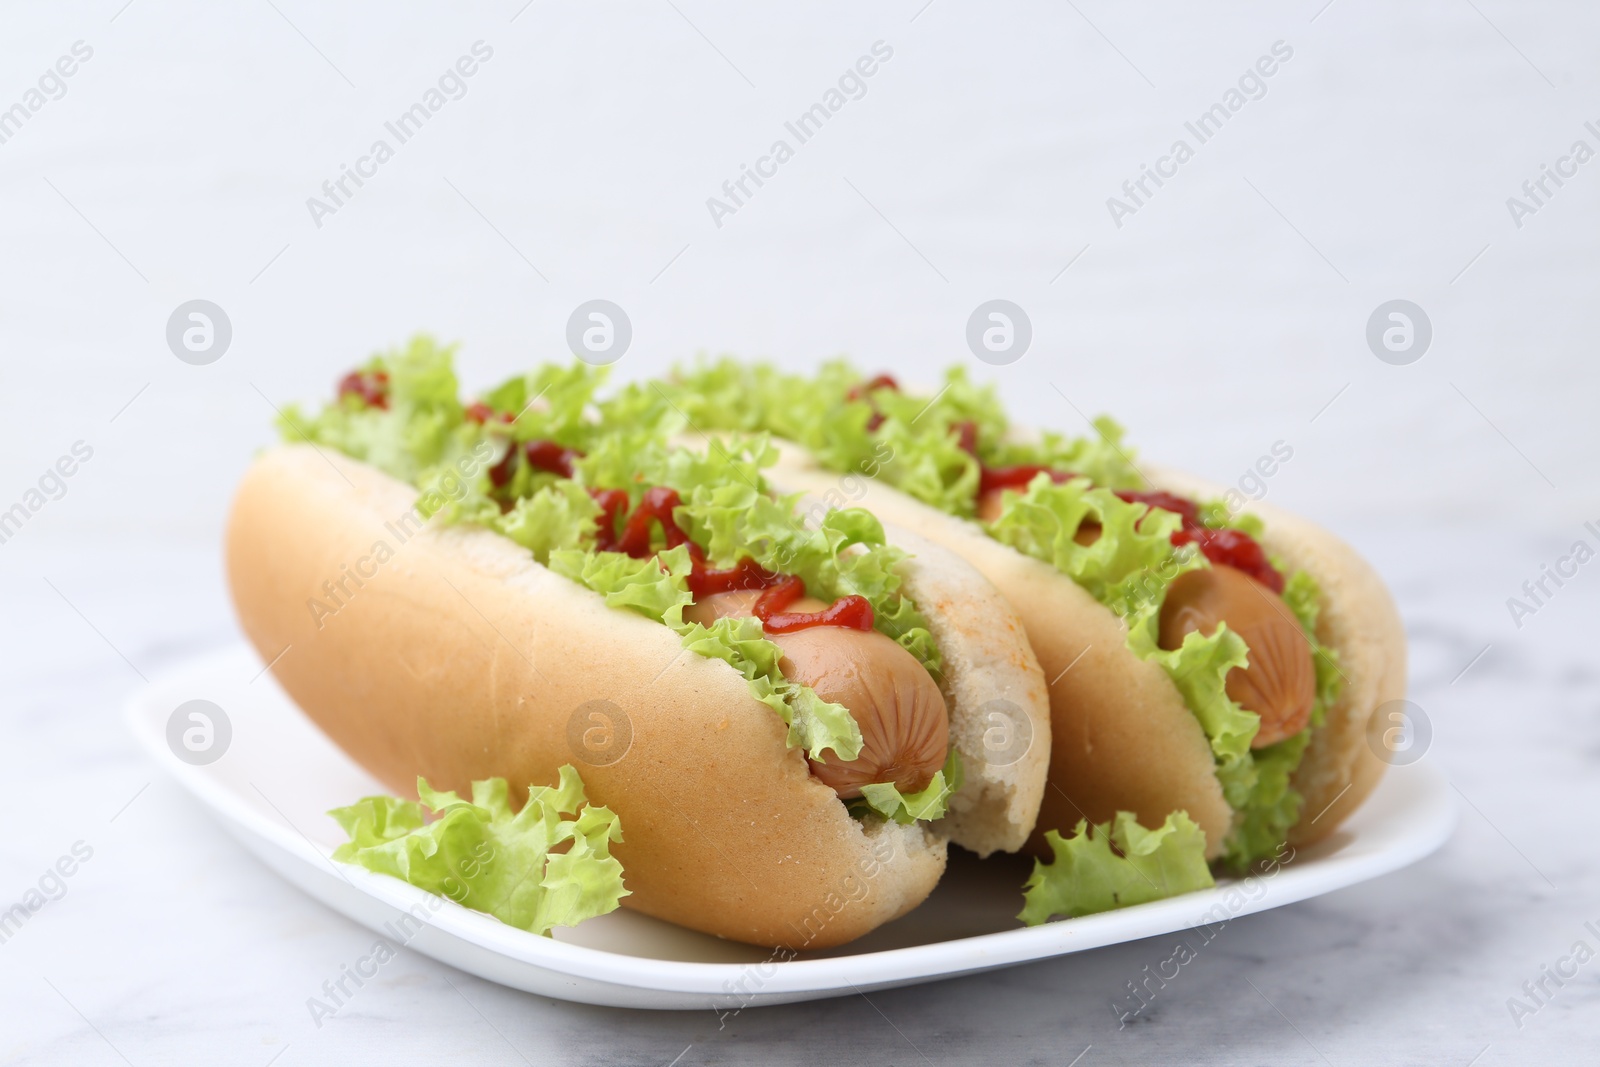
column 1227, row 313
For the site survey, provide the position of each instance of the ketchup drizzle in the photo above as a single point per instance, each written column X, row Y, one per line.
column 850, row 612
column 549, row 456
column 480, row 413
column 781, row 590
column 371, row 386
column 1227, row 547
column 541, row 455
column 1016, row 477
column 864, row 391
column 613, row 505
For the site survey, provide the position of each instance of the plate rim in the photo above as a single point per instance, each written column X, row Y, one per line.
column 845, row 973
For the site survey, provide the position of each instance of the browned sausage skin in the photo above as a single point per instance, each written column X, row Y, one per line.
column 905, row 726
column 1280, row 682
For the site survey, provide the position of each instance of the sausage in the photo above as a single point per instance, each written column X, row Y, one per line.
column 1280, row 682
column 905, row 726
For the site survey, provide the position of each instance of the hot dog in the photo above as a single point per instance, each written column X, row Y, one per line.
column 803, row 703
column 1207, row 660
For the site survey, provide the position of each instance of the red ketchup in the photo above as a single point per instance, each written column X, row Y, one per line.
column 1016, row 477
column 549, row 456
column 613, row 505
column 541, row 455
column 853, row 612
column 1233, row 548
column 746, row 574
column 1227, row 547
column 864, row 390
column 480, row 413
column 656, row 509
column 371, row 386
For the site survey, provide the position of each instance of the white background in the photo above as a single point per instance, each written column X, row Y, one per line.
column 1225, row 315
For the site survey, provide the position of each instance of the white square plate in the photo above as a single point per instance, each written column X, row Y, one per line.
column 278, row 775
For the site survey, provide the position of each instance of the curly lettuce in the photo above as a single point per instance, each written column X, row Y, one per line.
column 547, row 865
column 1116, row 864
column 816, row 725
column 423, row 426
column 908, row 440
column 931, row 802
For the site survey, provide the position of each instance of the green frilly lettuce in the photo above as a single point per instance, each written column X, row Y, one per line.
column 548, row 865
column 1115, row 864
column 930, row 802
column 911, row 445
column 422, row 428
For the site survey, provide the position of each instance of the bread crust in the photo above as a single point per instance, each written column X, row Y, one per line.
column 447, row 652
column 995, row 689
column 1123, row 737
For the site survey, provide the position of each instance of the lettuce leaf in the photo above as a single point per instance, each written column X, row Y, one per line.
column 1115, row 864
column 845, row 553
column 930, row 802
column 560, row 516
column 814, row 724
column 423, row 426
column 1268, row 807
column 1199, row 668
column 729, row 510
column 914, row 446
column 656, row 587
column 1128, row 567
column 482, row 855
column 1304, row 597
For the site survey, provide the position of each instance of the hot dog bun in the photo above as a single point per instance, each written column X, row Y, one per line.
column 453, row 655
column 1000, row 717
column 1123, row 738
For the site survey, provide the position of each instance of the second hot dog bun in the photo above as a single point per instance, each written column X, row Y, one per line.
column 453, row 655
column 995, row 688
column 1123, row 737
